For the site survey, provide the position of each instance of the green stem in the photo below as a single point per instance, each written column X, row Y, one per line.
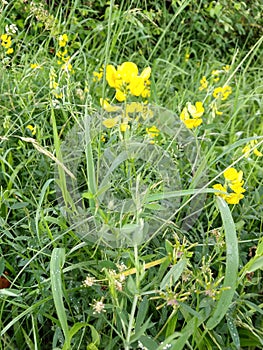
column 134, row 304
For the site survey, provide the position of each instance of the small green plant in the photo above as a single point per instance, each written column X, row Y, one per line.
column 131, row 175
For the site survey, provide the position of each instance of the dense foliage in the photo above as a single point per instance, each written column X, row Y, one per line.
column 131, row 197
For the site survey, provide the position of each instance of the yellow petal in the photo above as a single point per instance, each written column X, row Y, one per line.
column 110, row 122
column 111, row 75
column 231, row 174
column 134, row 107
column 257, row 153
column 120, row 96
column 184, row 114
column 108, row 108
column 146, row 73
column 124, row 127
column 136, row 86
column 219, row 187
column 128, row 71
column 197, row 110
column 237, row 188
column 192, row 123
column 233, row 198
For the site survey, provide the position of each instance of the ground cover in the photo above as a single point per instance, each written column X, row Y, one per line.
column 131, row 175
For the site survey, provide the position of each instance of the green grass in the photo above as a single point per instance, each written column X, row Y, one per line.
column 168, row 264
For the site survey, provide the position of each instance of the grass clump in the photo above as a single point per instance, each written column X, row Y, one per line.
column 131, row 175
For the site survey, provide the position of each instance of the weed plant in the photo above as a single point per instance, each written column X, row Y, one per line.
column 131, row 175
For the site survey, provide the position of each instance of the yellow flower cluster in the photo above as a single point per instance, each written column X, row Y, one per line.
column 215, row 74
column 6, row 42
column 186, row 57
column 35, row 66
column 153, row 132
column 233, row 180
column 191, row 114
column 62, row 40
column 247, row 149
column 54, row 86
column 127, row 81
column 214, row 77
column 222, row 93
column 32, row 129
column 97, row 76
column 64, row 58
column 203, row 84
column 124, row 117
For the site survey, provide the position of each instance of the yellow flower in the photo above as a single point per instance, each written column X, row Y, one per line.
column 112, row 77
column 215, row 111
column 6, row 41
column 257, row 153
column 219, row 187
column 237, row 187
column 226, row 68
column 186, row 57
column 128, row 71
column 62, row 40
column 62, row 54
column 234, row 198
column 32, row 129
column 110, row 122
column 124, row 127
column 58, row 94
column 196, row 113
column 231, row 174
column 203, row 83
column 234, row 182
column 97, row 76
column 247, row 149
column 67, row 67
column 34, row 65
column 193, row 123
column 108, row 108
column 120, row 96
column 215, row 72
column 215, row 75
column 153, row 132
column 146, row 73
column 9, row 51
column 127, row 81
column 53, row 84
column 136, row 86
column 222, row 92
column 134, row 107
column 146, row 93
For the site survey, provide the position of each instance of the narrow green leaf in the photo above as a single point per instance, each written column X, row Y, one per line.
column 56, row 264
column 187, row 331
column 142, row 330
column 73, row 330
column 142, row 311
column 233, row 330
column 9, row 292
column 174, row 274
column 255, row 264
column 148, row 342
column 94, row 335
column 28, row 341
column 231, row 273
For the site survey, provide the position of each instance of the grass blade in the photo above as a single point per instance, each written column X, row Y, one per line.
column 56, row 264
column 232, row 258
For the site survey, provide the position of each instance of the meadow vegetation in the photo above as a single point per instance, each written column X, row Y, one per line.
column 131, row 197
